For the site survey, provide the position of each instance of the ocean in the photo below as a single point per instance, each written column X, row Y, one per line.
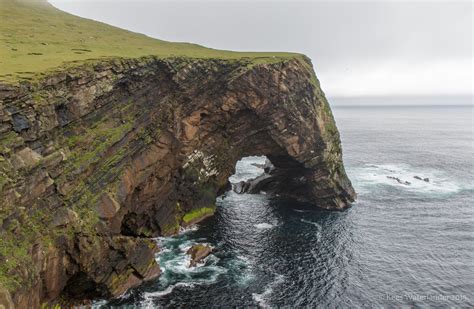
column 403, row 243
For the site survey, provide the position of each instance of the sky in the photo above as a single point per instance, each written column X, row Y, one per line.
column 358, row 48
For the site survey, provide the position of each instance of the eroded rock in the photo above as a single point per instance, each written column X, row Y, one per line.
column 402, row 182
column 63, row 217
column 26, row 158
column 198, row 253
column 125, row 150
column 5, row 299
column 426, row 179
column 107, row 206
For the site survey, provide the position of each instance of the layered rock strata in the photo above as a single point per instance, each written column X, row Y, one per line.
column 98, row 159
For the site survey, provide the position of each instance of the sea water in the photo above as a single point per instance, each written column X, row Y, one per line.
column 399, row 245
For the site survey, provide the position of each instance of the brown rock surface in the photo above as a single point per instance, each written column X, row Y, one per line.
column 132, row 147
column 198, row 253
column 5, row 299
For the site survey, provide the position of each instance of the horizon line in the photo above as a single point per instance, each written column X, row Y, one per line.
column 394, row 96
column 401, row 105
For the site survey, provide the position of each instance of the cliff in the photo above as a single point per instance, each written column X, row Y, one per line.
column 99, row 156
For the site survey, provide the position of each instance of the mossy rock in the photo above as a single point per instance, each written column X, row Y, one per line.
column 197, row 215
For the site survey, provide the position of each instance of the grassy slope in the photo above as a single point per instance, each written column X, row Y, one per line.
column 36, row 38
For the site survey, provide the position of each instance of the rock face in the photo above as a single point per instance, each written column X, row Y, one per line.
column 97, row 159
column 198, row 253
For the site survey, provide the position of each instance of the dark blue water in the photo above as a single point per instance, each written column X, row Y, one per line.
column 399, row 245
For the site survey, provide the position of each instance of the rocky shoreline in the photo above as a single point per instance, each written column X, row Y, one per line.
column 98, row 159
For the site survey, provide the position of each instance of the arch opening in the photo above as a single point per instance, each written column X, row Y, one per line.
column 257, row 174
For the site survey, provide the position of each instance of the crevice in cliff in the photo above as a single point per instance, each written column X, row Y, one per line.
column 80, row 287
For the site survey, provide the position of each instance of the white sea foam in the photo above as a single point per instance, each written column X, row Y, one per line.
column 263, row 298
column 245, row 260
column 192, row 228
column 175, row 262
column 318, row 228
column 164, row 250
column 182, row 231
column 241, row 268
column 246, row 169
column 259, row 298
column 98, row 304
column 262, row 226
column 312, row 223
column 149, row 296
column 300, row 210
column 245, row 265
column 177, row 265
column 371, row 174
column 185, row 246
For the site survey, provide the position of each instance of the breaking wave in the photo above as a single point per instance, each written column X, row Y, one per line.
column 404, row 177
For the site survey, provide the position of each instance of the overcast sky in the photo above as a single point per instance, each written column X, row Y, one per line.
column 358, row 48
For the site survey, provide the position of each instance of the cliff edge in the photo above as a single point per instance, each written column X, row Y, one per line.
column 100, row 155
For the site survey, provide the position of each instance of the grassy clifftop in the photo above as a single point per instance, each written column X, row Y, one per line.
column 35, row 38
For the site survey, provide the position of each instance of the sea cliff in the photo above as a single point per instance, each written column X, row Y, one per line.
column 99, row 156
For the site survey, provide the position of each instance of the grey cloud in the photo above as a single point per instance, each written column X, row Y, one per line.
column 340, row 36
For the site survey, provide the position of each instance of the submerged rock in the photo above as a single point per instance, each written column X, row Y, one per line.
column 198, row 253
column 426, row 179
column 264, row 183
column 399, row 180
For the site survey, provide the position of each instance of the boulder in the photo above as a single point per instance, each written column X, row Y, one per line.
column 26, row 158
column 64, row 216
column 426, row 179
column 20, row 122
column 198, row 253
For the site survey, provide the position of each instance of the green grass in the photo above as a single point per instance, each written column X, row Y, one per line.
column 196, row 214
column 36, row 38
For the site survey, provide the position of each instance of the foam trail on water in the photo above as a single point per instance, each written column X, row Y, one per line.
column 244, row 266
column 168, row 290
column 312, row 223
column 263, row 298
column 300, row 210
